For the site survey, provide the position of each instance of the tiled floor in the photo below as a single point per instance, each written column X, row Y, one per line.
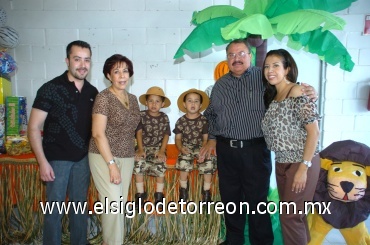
column 335, row 238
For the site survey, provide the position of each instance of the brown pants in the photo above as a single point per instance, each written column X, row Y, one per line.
column 294, row 225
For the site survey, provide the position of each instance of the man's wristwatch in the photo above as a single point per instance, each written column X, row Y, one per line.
column 111, row 162
column 307, row 163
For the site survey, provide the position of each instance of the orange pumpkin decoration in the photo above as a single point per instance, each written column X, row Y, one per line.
column 221, row 69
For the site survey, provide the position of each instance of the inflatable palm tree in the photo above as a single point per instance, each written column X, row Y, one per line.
column 306, row 24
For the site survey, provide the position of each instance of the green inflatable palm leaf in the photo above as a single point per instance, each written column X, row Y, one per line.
column 325, row 44
column 302, row 21
column 305, row 22
column 326, row 5
column 252, row 7
column 279, row 7
column 255, row 24
column 216, row 12
column 205, row 35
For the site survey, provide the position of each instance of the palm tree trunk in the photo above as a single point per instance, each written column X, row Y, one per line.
column 261, row 48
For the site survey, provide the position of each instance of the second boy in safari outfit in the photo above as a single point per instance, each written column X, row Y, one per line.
column 152, row 136
column 191, row 134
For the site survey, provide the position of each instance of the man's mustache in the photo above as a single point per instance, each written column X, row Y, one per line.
column 237, row 62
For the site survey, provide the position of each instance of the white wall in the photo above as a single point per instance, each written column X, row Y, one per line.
column 150, row 31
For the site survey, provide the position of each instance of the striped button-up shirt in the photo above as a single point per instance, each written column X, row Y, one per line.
column 237, row 108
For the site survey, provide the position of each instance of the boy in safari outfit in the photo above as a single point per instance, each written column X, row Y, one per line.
column 152, row 136
column 191, row 134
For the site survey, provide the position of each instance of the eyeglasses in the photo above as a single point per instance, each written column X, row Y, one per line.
column 241, row 54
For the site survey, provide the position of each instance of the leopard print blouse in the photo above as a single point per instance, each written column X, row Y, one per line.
column 283, row 127
column 121, row 123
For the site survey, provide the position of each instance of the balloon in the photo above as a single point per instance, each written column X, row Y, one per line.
column 7, row 63
column 8, row 37
column 2, row 17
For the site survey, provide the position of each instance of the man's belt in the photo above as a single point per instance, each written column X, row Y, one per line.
column 233, row 143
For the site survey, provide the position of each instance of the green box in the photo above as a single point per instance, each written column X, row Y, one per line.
column 16, row 115
column 5, row 89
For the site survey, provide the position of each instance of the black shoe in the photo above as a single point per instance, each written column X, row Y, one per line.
column 207, row 196
column 158, row 197
column 184, row 193
column 142, row 196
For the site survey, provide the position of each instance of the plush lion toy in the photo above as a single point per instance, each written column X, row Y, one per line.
column 344, row 182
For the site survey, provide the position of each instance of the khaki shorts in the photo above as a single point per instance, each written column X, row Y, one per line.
column 185, row 162
column 150, row 165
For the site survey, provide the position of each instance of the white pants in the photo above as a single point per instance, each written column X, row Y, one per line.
column 112, row 224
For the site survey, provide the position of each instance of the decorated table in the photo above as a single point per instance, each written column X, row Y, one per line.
column 21, row 217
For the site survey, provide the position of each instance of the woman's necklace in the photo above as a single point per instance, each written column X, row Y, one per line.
column 123, row 98
column 126, row 102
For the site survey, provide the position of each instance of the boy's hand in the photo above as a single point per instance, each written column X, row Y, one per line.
column 140, row 154
column 161, row 156
column 207, row 150
column 185, row 151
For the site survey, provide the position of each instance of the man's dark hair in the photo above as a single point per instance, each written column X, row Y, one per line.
column 239, row 41
column 78, row 43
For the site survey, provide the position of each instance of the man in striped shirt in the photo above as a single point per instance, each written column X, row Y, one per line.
column 243, row 160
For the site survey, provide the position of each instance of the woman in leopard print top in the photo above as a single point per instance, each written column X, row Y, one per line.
column 290, row 127
column 111, row 152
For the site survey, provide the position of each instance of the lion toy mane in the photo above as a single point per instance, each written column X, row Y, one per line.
column 344, row 188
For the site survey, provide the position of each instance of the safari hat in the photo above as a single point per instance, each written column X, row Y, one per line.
column 180, row 100
column 155, row 91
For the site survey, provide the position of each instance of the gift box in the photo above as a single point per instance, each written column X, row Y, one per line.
column 16, row 115
column 17, row 145
column 5, row 89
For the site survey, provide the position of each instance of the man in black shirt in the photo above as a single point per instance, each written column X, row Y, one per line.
column 62, row 108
